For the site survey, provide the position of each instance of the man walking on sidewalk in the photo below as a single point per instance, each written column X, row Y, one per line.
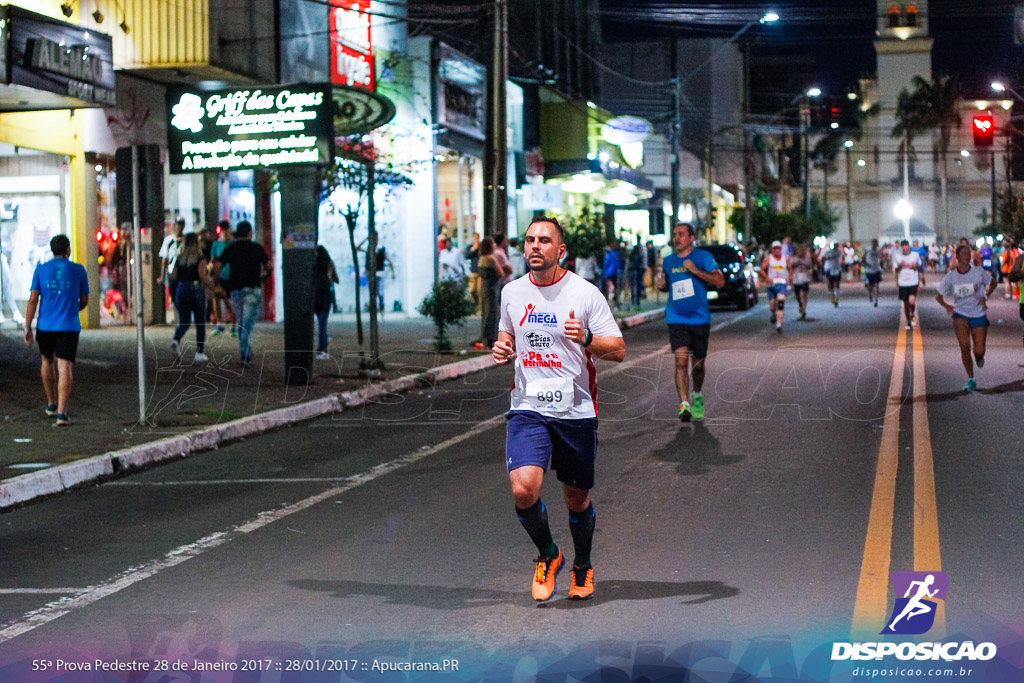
column 249, row 268
column 60, row 289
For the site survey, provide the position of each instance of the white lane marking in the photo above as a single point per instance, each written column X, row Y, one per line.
column 214, row 482
column 129, row 577
column 133, row 575
column 39, row 591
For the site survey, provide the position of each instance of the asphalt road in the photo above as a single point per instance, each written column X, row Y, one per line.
column 745, row 544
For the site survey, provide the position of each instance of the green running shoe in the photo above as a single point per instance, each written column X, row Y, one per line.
column 698, row 407
column 970, row 386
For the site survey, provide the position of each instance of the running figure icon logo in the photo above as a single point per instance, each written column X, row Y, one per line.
column 914, row 613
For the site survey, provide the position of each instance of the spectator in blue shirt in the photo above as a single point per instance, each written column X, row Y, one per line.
column 60, row 289
column 611, row 273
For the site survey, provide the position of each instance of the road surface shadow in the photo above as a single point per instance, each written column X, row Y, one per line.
column 449, row 598
column 612, row 590
column 431, row 597
column 695, row 451
column 1007, row 388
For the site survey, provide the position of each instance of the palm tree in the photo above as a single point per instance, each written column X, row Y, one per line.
column 828, row 148
column 931, row 105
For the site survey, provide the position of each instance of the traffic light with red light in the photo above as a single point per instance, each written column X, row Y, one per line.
column 983, row 126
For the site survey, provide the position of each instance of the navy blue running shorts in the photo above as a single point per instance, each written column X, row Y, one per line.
column 568, row 446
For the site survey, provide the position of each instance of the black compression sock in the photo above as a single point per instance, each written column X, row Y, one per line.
column 581, row 524
column 535, row 520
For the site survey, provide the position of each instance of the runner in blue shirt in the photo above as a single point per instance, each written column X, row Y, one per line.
column 685, row 274
column 60, row 289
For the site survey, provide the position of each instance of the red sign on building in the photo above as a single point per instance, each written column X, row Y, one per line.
column 351, row 46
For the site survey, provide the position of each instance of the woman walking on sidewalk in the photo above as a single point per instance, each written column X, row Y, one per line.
column 222, row 312
column 490, row 287
column 190, row 277
column 324, row 276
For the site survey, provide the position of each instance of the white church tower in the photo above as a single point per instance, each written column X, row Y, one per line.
column 903, row 48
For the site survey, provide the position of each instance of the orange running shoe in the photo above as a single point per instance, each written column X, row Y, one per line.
column 547, row 572
column 582, row 587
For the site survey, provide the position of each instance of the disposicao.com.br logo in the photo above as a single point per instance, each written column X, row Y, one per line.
column 919, row 595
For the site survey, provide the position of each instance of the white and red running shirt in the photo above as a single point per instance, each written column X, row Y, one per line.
column 554, row 375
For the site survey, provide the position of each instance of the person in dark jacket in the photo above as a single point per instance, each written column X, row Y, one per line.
column 324, row 276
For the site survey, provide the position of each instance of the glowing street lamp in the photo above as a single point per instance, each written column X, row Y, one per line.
column 904, row 211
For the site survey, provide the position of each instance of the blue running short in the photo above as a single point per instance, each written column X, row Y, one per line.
column 775, row 291
column 568, row 446
column 980, row 321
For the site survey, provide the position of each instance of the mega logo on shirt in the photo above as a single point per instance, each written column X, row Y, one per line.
column 530, row 316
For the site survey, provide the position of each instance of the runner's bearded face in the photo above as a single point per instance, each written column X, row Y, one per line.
column 543, row 247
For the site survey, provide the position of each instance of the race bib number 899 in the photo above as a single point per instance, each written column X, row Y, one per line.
column 553, row 394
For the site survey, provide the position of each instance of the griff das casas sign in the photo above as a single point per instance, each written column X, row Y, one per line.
column 226, row 130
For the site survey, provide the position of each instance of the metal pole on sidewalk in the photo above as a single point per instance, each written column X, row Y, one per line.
column 371, row 271
column 140, row 332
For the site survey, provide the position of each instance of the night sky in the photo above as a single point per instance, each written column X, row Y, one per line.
column 834, row 38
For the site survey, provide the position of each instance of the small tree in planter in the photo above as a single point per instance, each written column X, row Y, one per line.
column 447, row 304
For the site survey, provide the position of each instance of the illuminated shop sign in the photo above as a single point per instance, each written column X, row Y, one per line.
column 351, row 44
column 460, row 92
column 226, row 130
column 72, row 62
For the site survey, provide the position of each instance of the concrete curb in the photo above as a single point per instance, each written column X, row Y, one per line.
column 27, row 487
column 641, row 318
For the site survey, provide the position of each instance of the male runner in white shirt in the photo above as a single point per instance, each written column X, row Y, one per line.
column 553, row 323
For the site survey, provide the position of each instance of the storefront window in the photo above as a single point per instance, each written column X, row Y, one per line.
column 33, row 208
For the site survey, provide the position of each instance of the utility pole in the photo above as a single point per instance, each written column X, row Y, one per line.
column 496, row 133
column 748, row 183
column 373, row 285
column 677, row 129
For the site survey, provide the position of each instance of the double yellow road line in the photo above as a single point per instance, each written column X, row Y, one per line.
column 871, row 608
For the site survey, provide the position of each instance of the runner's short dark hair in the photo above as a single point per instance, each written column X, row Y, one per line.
column 243, row 229
column 60, row 245
column 552, row 221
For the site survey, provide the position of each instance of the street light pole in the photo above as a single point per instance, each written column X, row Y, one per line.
column 849, row 192
column 805, row 123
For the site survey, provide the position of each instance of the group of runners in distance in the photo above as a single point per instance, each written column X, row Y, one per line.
column 554, row 324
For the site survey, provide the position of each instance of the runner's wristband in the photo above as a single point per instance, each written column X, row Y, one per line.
column 587, row 337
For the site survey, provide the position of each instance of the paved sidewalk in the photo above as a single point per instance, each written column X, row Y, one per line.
column 186, row 402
